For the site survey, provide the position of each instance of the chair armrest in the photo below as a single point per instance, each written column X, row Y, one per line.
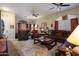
column 62, row 49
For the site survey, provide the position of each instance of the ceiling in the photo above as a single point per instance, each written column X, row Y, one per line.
column 26, row 9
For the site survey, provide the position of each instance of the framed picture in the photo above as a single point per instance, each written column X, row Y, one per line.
column 64, row 17
column 11, row 26
column 44, row 24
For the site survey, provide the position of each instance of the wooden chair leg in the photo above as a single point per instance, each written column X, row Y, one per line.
column 35, row 41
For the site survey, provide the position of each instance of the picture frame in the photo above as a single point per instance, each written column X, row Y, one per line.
column 64, row 17
column 12, row 26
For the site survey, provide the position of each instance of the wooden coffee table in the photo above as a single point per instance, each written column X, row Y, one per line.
column 49, row 43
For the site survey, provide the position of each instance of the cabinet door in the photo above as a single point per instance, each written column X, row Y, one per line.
column 56, row 25
column 74, row 23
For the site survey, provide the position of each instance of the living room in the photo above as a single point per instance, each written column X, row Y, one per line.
column 38, row 29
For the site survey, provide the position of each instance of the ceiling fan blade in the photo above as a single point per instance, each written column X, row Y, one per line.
column 34, row 14
column 60, row 3
column 55, row 4
column 65, row 5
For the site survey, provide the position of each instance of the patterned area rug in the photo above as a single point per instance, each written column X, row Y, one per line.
column 28, row 48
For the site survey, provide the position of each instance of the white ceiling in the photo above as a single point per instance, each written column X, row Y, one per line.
column 25, row 9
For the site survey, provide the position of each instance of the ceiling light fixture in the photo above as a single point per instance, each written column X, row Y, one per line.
column 33, row 17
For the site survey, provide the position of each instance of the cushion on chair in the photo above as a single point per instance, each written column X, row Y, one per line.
column 2, row 45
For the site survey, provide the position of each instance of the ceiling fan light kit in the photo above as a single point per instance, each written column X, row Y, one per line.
column 35, row 14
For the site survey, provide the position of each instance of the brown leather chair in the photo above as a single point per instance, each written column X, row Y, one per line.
column 3, row 47
column 35, row 35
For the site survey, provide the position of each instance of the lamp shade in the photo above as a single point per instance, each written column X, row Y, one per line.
column 74, row 37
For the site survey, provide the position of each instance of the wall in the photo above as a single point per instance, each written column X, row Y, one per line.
column 42, row 20
column 9, row 20
column 64, row 25
column 29, row 21
column 17, row 18
column 51, row 17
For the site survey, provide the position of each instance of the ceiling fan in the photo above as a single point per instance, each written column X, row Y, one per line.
column 59, row 5
column 35, row 13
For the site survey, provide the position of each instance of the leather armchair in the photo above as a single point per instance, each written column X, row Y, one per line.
column 3, row 46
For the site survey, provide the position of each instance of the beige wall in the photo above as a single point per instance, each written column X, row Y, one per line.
column 9, row 18
column 51, row 17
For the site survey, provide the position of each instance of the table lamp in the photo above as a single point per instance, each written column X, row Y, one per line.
column 74, row 37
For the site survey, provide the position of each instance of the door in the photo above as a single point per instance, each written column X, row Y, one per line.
column 56, row 25
column 74, row 23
